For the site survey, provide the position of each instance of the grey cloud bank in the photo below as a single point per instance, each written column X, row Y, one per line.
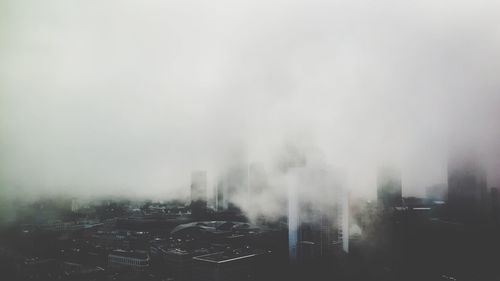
column 126, row 97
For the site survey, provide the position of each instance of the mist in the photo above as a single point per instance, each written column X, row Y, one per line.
column 128, row 98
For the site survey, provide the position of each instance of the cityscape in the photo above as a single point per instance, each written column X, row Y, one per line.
column 237, row 140
column 450, row 234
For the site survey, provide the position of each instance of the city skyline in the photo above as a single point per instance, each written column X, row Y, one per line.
column 248, row 140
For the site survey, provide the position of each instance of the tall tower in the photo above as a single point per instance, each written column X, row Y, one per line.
column 389, row 188
column 343, row 220
column 467, row 186
column 220, row 195
column 314, row 217
column 293, row 222
column 199, row 192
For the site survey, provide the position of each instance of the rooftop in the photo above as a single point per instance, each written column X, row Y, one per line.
column 222, row 257
column 130, row 254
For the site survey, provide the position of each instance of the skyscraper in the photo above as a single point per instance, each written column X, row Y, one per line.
column 316, row 225
column 232, row 183
column 467, row 187
column 389, row 188
column 344, row 220
column 198, row 192
column 220, row 195
column 293, row 222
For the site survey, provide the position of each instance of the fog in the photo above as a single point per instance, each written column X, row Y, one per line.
column 129, row 97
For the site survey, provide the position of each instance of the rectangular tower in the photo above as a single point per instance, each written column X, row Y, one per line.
column 389, row 188
column 198, row 192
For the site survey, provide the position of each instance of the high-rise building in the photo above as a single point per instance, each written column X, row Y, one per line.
column 198, row 192
column 293, row 223
column 389, row 188
column 236, row 184
column 344, row 220
column 316, row 225
column 467, row 186
column 231, row 184
column 75, row 206
column 220, row 195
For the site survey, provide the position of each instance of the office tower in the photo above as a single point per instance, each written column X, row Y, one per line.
column 220, row 195
column 344, row 220
column 199, row 192
column 75, row 206
column 293, row 209
column 231, row 184
column 467, row 189
column 293, row 222
column 389, row 188
column 315, row 210
column 235, row 184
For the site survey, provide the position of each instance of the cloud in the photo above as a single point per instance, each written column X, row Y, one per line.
column 101, row 97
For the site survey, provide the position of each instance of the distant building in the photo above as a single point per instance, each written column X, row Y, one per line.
column 343, row 221
column 437, row 192
column 467, row 186
column 316, row 229
column 389, row 188
column 236, row 184
column 199, row 192
column 120, row 260
column 293, row 223
column 75, row 206
column 221, row 195
column 232, row 183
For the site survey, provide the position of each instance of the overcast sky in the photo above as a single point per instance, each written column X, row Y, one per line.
column 128, row 97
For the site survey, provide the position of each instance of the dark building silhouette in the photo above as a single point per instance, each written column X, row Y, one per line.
column 316, row 229
column 467, row 189
column 389, row 188
column 199, row 192
column 232, row 183
column 220, row 195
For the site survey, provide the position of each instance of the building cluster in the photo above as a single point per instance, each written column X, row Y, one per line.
column 465, row 196
column 210, row 238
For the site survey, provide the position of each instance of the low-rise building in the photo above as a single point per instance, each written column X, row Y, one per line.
column 128, row 260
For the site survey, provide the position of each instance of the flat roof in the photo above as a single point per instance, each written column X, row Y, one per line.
column 220, row 257
column 126, row 254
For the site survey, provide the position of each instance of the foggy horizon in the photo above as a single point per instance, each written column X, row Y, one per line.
column 127, row 99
